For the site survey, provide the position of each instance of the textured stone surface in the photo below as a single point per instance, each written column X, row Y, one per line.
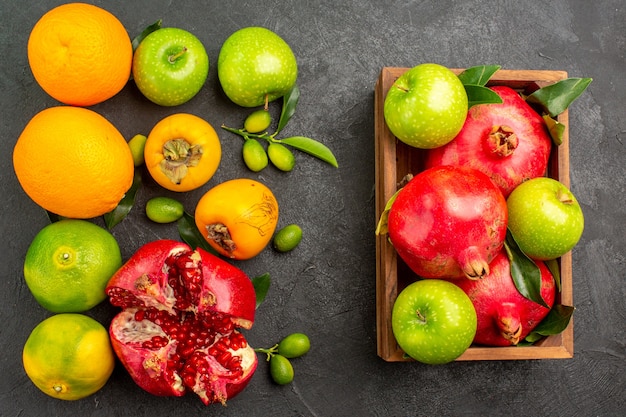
column 325, row 288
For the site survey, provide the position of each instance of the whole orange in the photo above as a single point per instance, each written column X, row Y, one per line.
column 73, row 162
column 80, row 54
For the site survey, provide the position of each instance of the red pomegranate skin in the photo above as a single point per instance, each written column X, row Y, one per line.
column 505, row 316
column 448, row 222
column 508, row 141
column 178, row 331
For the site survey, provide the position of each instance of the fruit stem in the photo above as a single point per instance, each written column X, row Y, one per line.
column 247, row 135
column 420, row 316
column 268, row 351
column 267, row 102
column 173, row 58
column 564, row 197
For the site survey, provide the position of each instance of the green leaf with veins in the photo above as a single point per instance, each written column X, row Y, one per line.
column 261, row 287
column 478, row 75
column 525, row 273
column 554, row 99
column 290, row 101
column 119, row 213
column 312, row 147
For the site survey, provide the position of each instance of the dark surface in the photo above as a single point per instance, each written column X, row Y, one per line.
column 326, row 287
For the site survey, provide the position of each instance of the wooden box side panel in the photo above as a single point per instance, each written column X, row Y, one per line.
column 394, row 160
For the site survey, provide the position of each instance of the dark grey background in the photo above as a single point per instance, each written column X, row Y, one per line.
column 326, row 287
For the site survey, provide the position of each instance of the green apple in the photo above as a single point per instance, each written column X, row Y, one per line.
column 170, row 66
column 545, row 218
column 426, row 106
column 256, row 66
column 433, row 321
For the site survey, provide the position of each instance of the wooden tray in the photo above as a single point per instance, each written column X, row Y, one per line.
column 394, row 160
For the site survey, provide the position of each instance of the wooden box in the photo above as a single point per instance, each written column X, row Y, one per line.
column 394, row 160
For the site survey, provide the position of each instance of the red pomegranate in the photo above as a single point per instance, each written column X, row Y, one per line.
column 178, row 330
column 505, row 316
column 508, row 141
column 448, row 222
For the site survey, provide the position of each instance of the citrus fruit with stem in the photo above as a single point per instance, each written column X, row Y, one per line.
column 69, row 263
column 68, row 356
column 73, row 162
column 80, row 54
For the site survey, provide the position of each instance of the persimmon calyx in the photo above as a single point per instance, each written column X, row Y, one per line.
column 178, row 156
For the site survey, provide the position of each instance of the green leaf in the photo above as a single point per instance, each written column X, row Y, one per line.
column 381, row 228
column 290, row 101
column 261, row 287
column 477, row 94
column 312, row 147
column 119, row 213
column 478, row 75
column 190, row 234
column 553, row 266
column 554, row 99
column 525, row 273
column 555, row 322
column 148, row 30
column 555, row 128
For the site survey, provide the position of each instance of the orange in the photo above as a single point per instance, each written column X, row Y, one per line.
column 73, row 162
column 68, row 356
column 80, row 54
column 69, row 263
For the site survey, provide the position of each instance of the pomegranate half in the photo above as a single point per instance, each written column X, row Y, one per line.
column 178, row 330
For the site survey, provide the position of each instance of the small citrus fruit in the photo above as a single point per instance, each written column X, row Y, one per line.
column 254, row 156
column 257, row 121
column 137, row 145
column 69, row 263
column 281, row 369
column 281, row 156
column 73, row 162
column 68, row 356
column 294, row 345
column 164, row 209
column 80, row 54
column 288, row 238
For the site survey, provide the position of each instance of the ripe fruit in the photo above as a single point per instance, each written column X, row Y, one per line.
column 281, row 369
column 80, row 54
column 448, row 222
column 287, row 238
column 294, row 345
column 545, row 218
column 182, row 152
column 258, row 121
column 73, row 162
column 68, row 356
column 137, row 145
column 164, row 209
column 281, row 156
column 433, row 321
column 237, row 217
column 256, row 66
column 69, row 263
column 170, row 66
column 254, row 155
column 426, row 106
column 508, row 141
column 178, row 330
column 504, row 316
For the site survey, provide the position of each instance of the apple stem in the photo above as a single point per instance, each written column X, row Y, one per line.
column 564, row 197
column 267, row 101
column 420, row 316
column 173, row 58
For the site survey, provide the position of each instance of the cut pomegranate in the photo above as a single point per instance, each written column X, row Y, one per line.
column 178, row 330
